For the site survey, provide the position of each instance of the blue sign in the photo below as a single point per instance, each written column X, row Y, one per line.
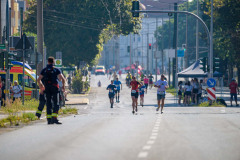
column 180, row 53
column 211, row 82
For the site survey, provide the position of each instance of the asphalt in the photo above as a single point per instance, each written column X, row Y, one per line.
column 102, row 133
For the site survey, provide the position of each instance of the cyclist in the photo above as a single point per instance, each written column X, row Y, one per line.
column 150, row 81
column 117, row 83
column 142, row 88
column 162, row 85
column 134, row 93
column 111, row 87
column 128, row 78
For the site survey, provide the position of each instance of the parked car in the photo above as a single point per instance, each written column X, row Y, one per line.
column 100, row 70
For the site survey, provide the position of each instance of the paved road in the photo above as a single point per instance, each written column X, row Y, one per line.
column 102, row 133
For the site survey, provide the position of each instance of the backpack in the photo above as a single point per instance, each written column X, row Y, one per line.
column 49, row 76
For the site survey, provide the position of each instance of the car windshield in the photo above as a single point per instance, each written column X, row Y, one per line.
column 99, row 67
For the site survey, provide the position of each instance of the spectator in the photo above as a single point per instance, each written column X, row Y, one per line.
column 17, row 91
column 233, row 86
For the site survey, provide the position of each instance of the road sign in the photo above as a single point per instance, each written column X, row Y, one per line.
column 211, row 93
column 2, row 46
column 180, row 53
column 58, row 55
column 58, row 62
column 211, row 82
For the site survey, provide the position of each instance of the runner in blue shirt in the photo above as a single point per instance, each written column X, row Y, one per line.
column 111, row 87
column 142, row 89
column 117, row 83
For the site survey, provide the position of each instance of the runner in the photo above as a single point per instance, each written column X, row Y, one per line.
column 233, row 86
column 162, row 85
column 111, row 87
column 117, row 83
column 142, row 88
column 150, row 81
column 146, row 82
column 134, row 94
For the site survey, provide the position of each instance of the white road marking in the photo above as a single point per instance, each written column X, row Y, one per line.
column 154, row 134
column 153, row 137
column 157, row 125
column 223, row 111
column 155, row 130
column 142, row 154
column 147, row 147
column 150, row 142
column 85, row 107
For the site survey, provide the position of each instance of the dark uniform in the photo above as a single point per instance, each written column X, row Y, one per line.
column 50, row 76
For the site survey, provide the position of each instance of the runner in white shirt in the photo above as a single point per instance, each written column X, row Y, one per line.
column 16, row 90
column 162, row 85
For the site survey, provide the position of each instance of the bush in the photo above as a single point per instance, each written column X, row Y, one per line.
column 208, row 104
column 77, row 83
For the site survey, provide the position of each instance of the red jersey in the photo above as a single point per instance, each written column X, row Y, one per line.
column 135, row 85
column 233, row 87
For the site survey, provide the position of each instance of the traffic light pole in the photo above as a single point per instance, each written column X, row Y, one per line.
column 23, row 82
column 210, row 39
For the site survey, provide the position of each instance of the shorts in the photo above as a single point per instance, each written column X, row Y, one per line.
column 111, row 95
column 195, row 91
column 188, row 93
column 117, row 91
column 146, row 85
column 179, row 93
column 159, row 96
column 134, row 95
column 141, row 95
column 233, row 95
column 150, row 82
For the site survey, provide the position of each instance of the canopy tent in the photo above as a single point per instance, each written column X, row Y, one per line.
column 193, row 71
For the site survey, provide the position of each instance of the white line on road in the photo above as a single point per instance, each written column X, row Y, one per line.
column 153, row 137
column 154, row 134
column 147, row 147
column 155, row 130
column 150, row 142
column 85, row 107
column 142, row 154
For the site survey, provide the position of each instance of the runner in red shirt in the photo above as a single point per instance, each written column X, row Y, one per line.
column 134, row 93
column 233, row 86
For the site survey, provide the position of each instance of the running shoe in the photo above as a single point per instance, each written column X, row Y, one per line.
column 157, row 109
column 161, row 112
column 136, row 109
column 133, row 112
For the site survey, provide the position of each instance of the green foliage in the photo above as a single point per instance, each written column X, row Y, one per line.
column 172, row 91
column 79, row 28
column 68, row 110
column 77, row 83
column 208, row 104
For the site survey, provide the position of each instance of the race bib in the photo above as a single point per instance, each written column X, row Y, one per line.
column 117, row 85
column 134, row 91
column 142, row 89
column 161, row 92
column 111, row 91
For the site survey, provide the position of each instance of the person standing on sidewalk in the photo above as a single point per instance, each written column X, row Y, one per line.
column 233, row 86
column 17, row 91
column 50, row 86
column 162, row 85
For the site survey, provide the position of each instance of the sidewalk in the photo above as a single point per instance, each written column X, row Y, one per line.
column 77, row 99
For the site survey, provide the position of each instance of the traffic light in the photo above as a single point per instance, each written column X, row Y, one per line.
column 184, row 47
column 150, row 46
column 216, row 64
column 203, row 62
column 135, row 7
column 128, row 49
column 2, row 60
column 8, row 60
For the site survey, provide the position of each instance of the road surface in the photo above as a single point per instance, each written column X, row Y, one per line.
column 102, row 133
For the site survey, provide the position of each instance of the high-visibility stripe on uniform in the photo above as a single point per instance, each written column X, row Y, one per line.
column 39, row 112
column 54, row 114
column 49, row 116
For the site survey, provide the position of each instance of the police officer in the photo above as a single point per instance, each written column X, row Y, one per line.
column 50, row 74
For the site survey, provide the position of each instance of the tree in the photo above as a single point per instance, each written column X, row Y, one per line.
column 80, row 28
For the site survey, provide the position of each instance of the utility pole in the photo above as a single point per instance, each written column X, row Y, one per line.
column 175, row 38
column 186, row 49
column 197, row 34
column 162, row 50
column 142, row 50
column 0, row 22
column 156, row 49
column 7, row 79
column 211, row 42
column 40, row 32
column 169, row 44
column 130, row 53
column 152, row 57
column 148, row 51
